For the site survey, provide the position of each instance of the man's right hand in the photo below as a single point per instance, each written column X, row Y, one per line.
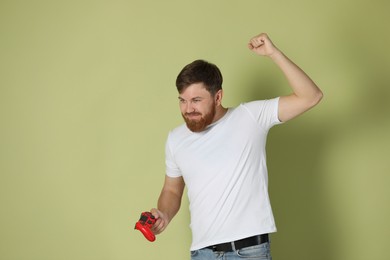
column 161, row 221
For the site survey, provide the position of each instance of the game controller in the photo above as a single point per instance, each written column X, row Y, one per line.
column 144, row 224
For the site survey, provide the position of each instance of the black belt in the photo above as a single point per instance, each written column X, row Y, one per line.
column 249, row 241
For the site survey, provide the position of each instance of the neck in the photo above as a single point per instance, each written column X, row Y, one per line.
column 219, row 113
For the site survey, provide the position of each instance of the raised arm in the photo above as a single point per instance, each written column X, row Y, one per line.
column 305, row 94
column 168, row 203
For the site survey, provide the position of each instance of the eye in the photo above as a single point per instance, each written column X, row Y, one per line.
column 197, row 100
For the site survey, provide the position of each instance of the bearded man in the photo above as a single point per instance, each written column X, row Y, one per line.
column 219, row 154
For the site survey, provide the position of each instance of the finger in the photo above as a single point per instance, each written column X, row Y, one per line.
column 257, row 42
column 155, row 213
column 262, row 36
column 159, row 226
column 155, row 226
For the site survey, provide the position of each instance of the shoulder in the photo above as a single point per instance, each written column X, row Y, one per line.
column 177, row 135
column 260, row 104
column 178, row 131
column 263, row 111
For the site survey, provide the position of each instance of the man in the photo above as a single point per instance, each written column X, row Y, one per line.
column 219, row 154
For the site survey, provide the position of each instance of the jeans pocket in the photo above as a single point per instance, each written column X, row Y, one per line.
column 259, row 252
column 194, row 253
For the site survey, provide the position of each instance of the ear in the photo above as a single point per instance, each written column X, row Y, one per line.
column 218, row 97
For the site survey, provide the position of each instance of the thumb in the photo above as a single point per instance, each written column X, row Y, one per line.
column 155, row 212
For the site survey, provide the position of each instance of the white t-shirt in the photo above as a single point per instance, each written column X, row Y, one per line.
column 224, row 168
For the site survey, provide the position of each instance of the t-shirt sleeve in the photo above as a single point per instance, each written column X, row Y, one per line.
column 264, row 112
column 172, row 170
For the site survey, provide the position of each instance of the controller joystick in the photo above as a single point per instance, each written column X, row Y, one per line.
column 144, row 224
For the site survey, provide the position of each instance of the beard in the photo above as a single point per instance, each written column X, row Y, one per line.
column 199, row 125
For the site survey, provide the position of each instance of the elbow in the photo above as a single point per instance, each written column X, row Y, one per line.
column 317, row 97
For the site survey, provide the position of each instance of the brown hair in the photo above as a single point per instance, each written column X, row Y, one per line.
column 200, row 71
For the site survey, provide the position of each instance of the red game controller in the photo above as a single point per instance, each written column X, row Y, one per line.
column 145, row 224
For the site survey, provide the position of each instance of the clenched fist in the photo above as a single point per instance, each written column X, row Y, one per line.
column 262, row 45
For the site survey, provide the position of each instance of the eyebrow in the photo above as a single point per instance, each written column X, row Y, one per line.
column 198, row 97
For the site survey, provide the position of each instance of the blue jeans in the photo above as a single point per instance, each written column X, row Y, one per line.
column 258, row 252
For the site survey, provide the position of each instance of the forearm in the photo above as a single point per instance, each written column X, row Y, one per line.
column 302, row 85
column 169, row 204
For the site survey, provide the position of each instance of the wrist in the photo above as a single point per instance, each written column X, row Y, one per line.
column 277, row 54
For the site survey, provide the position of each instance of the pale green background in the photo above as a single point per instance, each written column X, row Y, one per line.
column 87, row 98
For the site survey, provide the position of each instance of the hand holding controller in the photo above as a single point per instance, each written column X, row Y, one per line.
column 145, row 224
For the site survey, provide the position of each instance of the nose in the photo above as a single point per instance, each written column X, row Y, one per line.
column 188, row 107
